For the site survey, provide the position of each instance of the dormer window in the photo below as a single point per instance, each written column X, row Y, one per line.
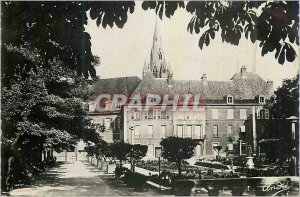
column 261, row 99
column 229, row 99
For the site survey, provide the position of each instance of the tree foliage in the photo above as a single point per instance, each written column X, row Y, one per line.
column 136, row 153
column 120, row 150
column 37, row 115
column 57, row 29
column 125, row 151
column 286, row 101
column 176, row 149
column 274, row 24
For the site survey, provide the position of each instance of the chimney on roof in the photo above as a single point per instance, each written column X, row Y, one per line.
column 204, row 79
column 243, row 70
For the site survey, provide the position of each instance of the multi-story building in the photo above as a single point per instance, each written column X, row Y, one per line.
column 227, row 110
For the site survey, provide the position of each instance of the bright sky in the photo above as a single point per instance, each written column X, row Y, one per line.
column 123, row 51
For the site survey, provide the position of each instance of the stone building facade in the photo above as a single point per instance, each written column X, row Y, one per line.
column 228, row 110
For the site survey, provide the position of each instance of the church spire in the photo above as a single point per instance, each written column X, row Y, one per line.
column 158, row 65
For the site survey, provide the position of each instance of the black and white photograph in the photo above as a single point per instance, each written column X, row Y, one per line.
column 150, row 98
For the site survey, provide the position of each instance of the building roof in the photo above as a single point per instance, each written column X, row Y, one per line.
column 244, row 86
column 119, row 85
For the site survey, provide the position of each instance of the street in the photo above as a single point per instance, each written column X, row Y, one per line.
column 68, row 179
column 78, row 179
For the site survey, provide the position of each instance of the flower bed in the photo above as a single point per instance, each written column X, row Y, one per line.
column 164, row 165
column 211, row 164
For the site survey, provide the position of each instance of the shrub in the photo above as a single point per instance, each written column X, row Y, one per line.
column 136, row 180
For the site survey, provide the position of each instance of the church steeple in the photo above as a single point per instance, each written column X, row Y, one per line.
column 158, row 65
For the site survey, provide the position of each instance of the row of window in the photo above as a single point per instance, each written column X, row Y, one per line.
column 261, row 99
column 229, row 115
column 229, row 130
column 158, row 114
column 260, row 114
column 150, row 114
column 190, row 131
column 150, row 131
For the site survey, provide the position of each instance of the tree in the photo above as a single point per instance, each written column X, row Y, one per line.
column 285, row 103
column 176, row 149
column 274, row 24
column 57, row 29
column 120, row 150
column 136, row 153
column 37, row 115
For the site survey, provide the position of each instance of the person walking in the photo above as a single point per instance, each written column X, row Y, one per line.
column 10, row 174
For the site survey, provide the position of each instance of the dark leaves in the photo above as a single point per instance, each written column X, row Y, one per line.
column 277, row 22
column 110, row 13
column 167, row 7
column 285, row 52
column 205, row 38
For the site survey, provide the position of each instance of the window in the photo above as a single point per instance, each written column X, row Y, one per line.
column 146, row 115
column 150, row 131
column 262, row 114
column 156, row 114
column 157, row 151
column 243, row 129
column 137, row 131
column 215, row 131
column 261, row 99
column 150, row 114
column 230, row 146
column 266, row 113
column 229, row 113
column 107, row 123
column 168, row 114
column 150, row 150
column 215, row 113
column 160, row 56
column 258, row 114
column 243, row 114
column 189, row 131
column 213, row 145
column 199, row 132
column 179, row 131
column 229, row 100
column 163, row 131
column 135, row 115
column 229, row 131
column 163, row 114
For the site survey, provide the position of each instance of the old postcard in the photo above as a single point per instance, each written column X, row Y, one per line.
column 134, row 98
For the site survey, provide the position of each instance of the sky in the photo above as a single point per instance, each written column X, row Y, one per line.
column 124, row 51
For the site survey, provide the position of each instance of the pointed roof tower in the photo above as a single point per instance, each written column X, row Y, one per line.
column 158, row 64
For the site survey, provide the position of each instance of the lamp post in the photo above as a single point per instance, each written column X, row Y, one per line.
column 159, row 155
column 230, row 153
column 131, row 132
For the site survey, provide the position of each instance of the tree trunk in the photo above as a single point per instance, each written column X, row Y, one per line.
column 179, row 167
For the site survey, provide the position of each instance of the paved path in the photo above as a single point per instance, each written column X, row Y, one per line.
column 78, row 179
